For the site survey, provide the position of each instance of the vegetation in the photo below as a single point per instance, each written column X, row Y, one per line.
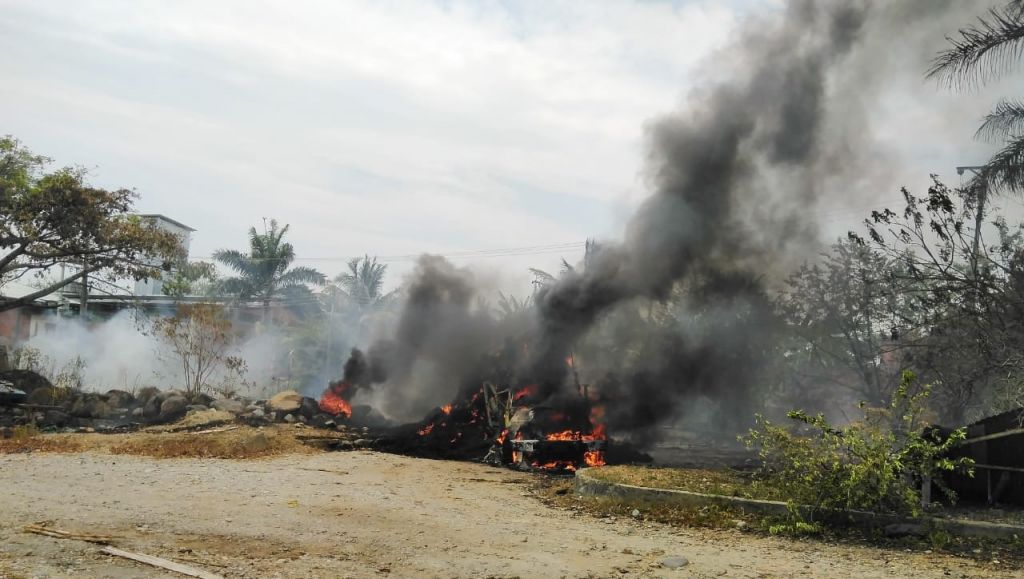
column 876, row 464
column 198, row 337
column 50, row 219
column 265, row 273
column 983, row 52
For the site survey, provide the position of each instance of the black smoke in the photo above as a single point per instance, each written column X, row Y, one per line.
column 780, row 128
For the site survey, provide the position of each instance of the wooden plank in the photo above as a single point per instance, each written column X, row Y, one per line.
column 997, row 467
column 161, row 563
column 993, row 436
column 59, row 534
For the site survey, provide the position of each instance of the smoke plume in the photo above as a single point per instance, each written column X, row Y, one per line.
column 781, row 127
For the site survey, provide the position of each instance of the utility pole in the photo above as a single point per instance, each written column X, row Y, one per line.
column 981, row 188
column 83, row 295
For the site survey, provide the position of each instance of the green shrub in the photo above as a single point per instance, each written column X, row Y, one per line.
column 873, row 465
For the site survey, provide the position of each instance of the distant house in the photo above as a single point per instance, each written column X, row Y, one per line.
column 154, row 287
column 22, row 324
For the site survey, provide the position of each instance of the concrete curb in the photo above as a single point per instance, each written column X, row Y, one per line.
column 588, row 485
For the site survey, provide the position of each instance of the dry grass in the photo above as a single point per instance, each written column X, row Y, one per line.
column 28, row 441
column 243, row 442
column 717, row 482
column 561, row 493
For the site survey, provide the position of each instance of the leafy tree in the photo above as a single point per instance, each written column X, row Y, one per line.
column 847, row 314
column 265, row 273
column 965, row 293
column 190, row 278
column 56, row 218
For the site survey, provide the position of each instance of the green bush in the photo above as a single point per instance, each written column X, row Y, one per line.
column 876, row 464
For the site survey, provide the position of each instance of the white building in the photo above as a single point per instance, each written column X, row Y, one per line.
column 154, row 287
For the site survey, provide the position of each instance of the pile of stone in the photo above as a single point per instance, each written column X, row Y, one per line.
column 28, row 398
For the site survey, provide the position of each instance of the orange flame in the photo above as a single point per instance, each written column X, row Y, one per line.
column 447, row 409
column 334, row 404
column 529, row 390
column 594, row 458
column 426, row 429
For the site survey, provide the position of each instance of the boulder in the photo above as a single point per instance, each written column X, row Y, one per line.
column 196, row 408
column 172, row 408
column 228, row 405
column 146, row 394
column 151, row 409
column 47, row 396
column 286, row 401
column 25, row 380
column 308, row 407
column 56, row 418
column 119, row 398
column 289, row 418
column 89, row 405
column 202, row 399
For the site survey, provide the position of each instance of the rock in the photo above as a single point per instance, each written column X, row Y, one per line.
column 228, row 405
column 47, row 396
column 54, row 418
column 89, row 406
column 151, row 409
column 286, row 401
column 905, row 530
column 258, row 442
column 145, row 394
column 172, row 408
column 309, row 407
column 119, row 398
column 675, row 562
column 289, row 418
column 196, row 408
column 635, row 513
column 201, row 399
column 258, row 413
column 25, row 380
column 137, row 412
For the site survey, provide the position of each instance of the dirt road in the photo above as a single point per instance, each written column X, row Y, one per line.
column 363, row 514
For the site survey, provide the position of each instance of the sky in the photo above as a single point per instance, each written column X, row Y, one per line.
column 500, row 133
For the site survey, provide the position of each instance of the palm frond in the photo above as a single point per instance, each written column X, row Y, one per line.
column 1005, row 121
column 542, row 277
column 984, row 50
column 235, row 260
column 301, row 275
column 1005, row 170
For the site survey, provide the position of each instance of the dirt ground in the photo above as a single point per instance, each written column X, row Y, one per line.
column 366, row 514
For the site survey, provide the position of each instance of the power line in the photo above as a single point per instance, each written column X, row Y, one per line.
column 468, row 254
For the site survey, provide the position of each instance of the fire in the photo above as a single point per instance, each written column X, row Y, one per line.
column 426, row 429
column 594, row 458
column 526, row 391
column 555, row 465
column 334, row 404
column 447, row 409
column 564, row 435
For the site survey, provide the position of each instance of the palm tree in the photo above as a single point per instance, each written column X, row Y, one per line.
column 361, row 286
column 981, row 53
column 263, row 273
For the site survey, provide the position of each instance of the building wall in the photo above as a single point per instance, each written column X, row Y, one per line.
column 154, row 287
